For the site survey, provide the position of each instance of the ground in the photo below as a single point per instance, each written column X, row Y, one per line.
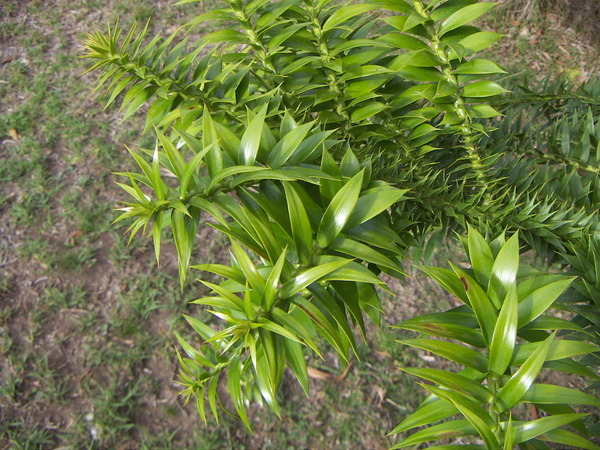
column 86, row 322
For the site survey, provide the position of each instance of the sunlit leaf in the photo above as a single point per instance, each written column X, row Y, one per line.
column 339, row 210
column 287, row 320
column 446, row 430
column 251, row 138
column 175, row 158
column 288, row 145
column 344, row 14
column 504, row 270
column 373, row 202
column 277, row 329
column 264, row 382
column 449, row 280
column 272, row 283
column 505, row 332
column 468, row 335
column 364, row 252
column 328, row 329
column 464, row 16
column 248, row 268
column 184, row 233
column 525, row 431
column 552, row 394
column 433, row 411
column 480, row 255
column 452, row 381
column 300, row 224
column 482, row 89
column 473, row 412
column 540, row 300
column 509, row 433
column 479, row 67
column 449, row 350
column 565, row 437
column 480, row 303
column 295, row 358
column 480, row 41
column 235, row 390
column 309, row 276
column 559, row 349
column 516, row 387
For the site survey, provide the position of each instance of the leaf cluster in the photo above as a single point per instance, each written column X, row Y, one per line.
column 501, row 336
column 328, row 140
column 312, row 228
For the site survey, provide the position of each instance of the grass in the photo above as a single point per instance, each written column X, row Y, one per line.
column 547, row 38
column 86, row 322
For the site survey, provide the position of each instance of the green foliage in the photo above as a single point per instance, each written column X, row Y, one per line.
column 508, row 344
column 327, row 141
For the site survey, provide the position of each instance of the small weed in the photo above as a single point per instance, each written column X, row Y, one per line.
column 114, row 409
column 12, row 369
column 49, row 385
column 23, row 436
column 38, row 318
column 71, row 258
column 143, row 13
column 6, row 280
column 9, row 386
column 71, row 297
column 87, row 321
column 33, row 247
column 163, row 440
column 136, row 305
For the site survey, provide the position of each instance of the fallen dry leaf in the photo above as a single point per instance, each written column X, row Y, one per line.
column 74, row 236
column 13, row 134
column 534, row 412
column 320, row 375
column 383, row 355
